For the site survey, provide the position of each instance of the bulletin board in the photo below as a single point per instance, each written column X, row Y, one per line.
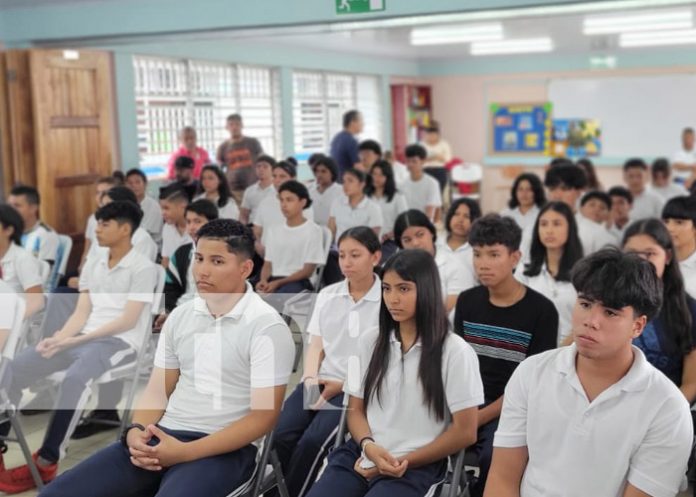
column 520, row 129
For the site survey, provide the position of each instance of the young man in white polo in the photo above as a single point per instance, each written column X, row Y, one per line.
column 221, row 367
column 595, row 418
column 105, row 330
column 38, row 238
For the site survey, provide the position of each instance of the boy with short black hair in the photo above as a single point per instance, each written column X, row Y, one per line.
column 596, row 418
column 38, row 238
column 105, row 330
column 136, row 180
column 646, row 203
column 173, row 201
column 421, row 190
column 620, row 214
column 595, row 206
column 221, row 368
column 503, row 320
column 370, row 152
column 254, row 194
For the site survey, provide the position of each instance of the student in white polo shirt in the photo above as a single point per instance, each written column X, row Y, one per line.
column 343, row 312
column 38, row 238
column 102, row 185
column 390, row 200
column 105, row 330
column 527, row 196
column 595, row 418
column 254, row 194
column 422, row 191
column 646, row 203
column 294, row 248
column 221, row 368
column 413, row 230
column 269, row 213
column 662, row 184
column 18, row 268
column 214, row 187
column 136, row 180
column 414, row 392
column 458, row 221
column 173, row 201
column 325, row 189
column 555, row 250
column 679, row 215
column 620, row 214
column 354, row 208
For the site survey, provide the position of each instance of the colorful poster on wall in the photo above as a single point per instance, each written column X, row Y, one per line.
column 521, row 128
column 576, row 138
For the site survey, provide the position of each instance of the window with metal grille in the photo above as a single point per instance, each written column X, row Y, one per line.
column 173, row 93
column 319, row 101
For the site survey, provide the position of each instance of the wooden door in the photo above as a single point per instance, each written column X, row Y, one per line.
column 74, row 127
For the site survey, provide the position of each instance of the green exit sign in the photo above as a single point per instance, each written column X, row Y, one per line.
column 359, row 6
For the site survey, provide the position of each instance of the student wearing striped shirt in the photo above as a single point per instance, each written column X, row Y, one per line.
column 503, row 320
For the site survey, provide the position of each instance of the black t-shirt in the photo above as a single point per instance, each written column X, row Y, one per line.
column 503, row 337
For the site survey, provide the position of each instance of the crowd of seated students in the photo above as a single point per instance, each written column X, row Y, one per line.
column 435, row 341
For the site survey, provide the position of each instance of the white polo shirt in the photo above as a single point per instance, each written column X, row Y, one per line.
column 289, row 248
column 322, row 201
column 132, row 279
column 20, row 269
column 340, row 321
column 688, row 269
column 172, row 240
column 454, row 276
column 422, row 193
column 687, row 157
column 647, row 204
column 390, row 210
column 464, row 253
column 269, row 214
column 561, row 293
column 401, row 421
column 221, row 360
column 524, row 221
column 42, row 242
column 593, row 236
column 90, row 229
column 142, row 242
column 366, row 213
column 254, row 195
column 638, row 430
column 152, row 221
column 8, row 303
column 670, row 191
column 228, row 211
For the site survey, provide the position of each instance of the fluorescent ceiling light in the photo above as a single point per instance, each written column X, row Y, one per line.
column 529, row 45
column 643, row 21
column 652, row 38
column 501, row 14
column 442, row 35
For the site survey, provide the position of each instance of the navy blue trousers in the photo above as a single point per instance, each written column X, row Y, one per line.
column 341, row 480
column 109, row 473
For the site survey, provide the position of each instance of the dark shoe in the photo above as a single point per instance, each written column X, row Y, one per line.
column 91, row 424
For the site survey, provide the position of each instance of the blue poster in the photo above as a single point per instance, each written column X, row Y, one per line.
column 521, row 128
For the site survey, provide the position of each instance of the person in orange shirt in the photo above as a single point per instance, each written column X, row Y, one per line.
column 189, row 148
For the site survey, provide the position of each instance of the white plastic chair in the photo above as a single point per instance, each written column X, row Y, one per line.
column 467, row 173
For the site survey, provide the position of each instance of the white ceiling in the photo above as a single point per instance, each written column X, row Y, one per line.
column 566, row 32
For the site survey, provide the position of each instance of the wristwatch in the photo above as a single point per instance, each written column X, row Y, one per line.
column 124, row 434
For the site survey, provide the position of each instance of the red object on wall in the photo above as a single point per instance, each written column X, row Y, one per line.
column 411, row 114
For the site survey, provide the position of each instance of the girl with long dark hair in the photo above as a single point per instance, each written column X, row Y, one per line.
column 555, row 249
column 214, row 187
column 460, row 216
column 669, row 340
column 414, row 397
column 391, row 201
column 526, row 198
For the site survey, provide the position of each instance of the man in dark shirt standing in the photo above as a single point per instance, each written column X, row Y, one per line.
column 238, row 156
column 503, row 320
column 344, row 146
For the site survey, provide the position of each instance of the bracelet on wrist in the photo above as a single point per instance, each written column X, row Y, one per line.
column 365, row 441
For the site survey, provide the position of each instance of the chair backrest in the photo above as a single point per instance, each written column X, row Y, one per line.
column 467, row 173
column 60, row 265
column 44, row 271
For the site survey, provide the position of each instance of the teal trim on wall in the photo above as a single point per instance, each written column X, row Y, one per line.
column 151, row 17
column 126, row 111
column 286, row 111
column 526, row 160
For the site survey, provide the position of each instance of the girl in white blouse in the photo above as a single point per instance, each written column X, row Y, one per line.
column 555, row 249
column 526, row 198
column 391, row 201
column 214, row 187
